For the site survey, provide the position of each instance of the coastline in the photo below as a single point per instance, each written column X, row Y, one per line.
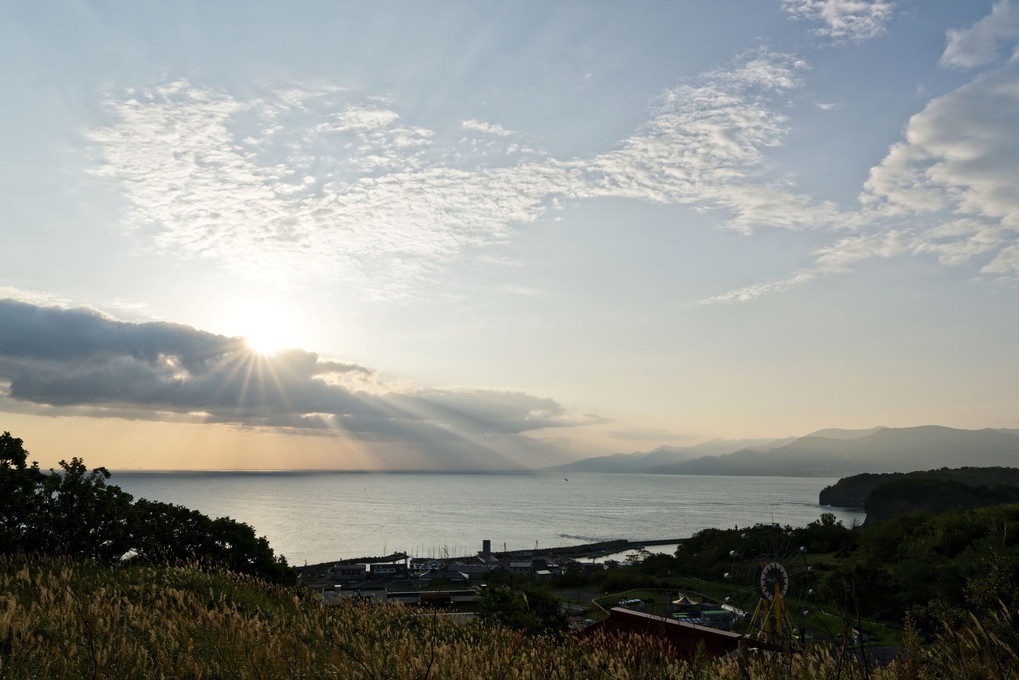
column 584, row 550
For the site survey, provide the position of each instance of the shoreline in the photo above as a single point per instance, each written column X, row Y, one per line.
column 583, row 550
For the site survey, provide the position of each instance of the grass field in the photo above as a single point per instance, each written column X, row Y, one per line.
column 65, row 619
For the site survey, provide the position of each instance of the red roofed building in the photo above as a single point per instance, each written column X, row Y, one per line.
column 683, row 637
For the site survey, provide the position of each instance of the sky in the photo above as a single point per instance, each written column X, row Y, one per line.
column 463, row 235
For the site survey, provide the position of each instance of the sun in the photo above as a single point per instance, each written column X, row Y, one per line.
column 265, row 330
column 267, row 340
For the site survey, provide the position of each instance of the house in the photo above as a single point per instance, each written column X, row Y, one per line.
column 625, row 626
column 521, row 568
column 447, row 597
column 361, row 592
column 476, row 572
column 388, row 571
column 348, row 572
column 449, row 575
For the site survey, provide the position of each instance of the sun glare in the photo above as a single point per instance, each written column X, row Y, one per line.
column 266, row 341
column 266, row 331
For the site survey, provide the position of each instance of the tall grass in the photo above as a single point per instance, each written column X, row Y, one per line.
column 64, row 619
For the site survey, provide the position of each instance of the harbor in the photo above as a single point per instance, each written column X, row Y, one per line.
column 411, row 572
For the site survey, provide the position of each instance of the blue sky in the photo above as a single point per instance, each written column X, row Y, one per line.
column 498, row 234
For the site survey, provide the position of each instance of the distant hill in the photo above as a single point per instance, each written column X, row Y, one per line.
column 665, row 455
column 883, row 450
column 825, row 453
column 837, row 433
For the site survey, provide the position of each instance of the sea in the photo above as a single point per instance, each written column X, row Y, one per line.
column 311, row 517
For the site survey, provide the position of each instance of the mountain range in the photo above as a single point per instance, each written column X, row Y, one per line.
column 825, row 453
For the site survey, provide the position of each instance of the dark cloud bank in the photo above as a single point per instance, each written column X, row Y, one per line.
column 81, row 362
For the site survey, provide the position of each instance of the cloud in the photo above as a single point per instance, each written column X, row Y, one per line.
column 318, row 184
column 947, row 190
column 980, row 43
column 959, row 158
column 757, row 290
column 60, row 361
column 487, row 128
column 705, row 145
column 844, row 20
column 1006, row 262
column 836, row 258
column 839, row 256
column 310, row 184
column 33, row 296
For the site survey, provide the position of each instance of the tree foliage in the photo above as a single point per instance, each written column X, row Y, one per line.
column 936, row 565
column 934, row 496
column 75, row 512
column 529, row 610
column 962, row 559
column 18, row 484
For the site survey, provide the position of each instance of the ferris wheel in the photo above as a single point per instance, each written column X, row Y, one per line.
column 771, row 585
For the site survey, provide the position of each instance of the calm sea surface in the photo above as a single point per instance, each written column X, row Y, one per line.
column 322, row 516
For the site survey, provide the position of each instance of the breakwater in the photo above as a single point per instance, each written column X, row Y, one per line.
column 585, row 550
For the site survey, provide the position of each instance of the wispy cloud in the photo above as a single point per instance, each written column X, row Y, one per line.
column 705, row 145
column 758, row 290
column 311, row 184
column 844, row 20
column 487, row 128
column 60, row 361
column 980, row 44
column 317, row 183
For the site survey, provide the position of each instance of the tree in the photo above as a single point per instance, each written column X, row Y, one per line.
column 529, row 610
column 75, row 512
column 80, row 515
column 18, row 498
column 826, row 534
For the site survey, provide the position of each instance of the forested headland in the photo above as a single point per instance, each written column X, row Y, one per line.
column 886, row 495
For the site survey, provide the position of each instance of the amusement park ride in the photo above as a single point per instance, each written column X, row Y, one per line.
column 772, row 585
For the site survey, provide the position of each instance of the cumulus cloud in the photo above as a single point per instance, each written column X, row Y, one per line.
column 958, row 162
column 844, row 20
column 980, row 44
column 311, row 184
column 81, row 362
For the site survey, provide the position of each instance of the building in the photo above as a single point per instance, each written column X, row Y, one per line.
column 626, row 627
column 388, row 571
column 521, row 568
column 348, row 572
